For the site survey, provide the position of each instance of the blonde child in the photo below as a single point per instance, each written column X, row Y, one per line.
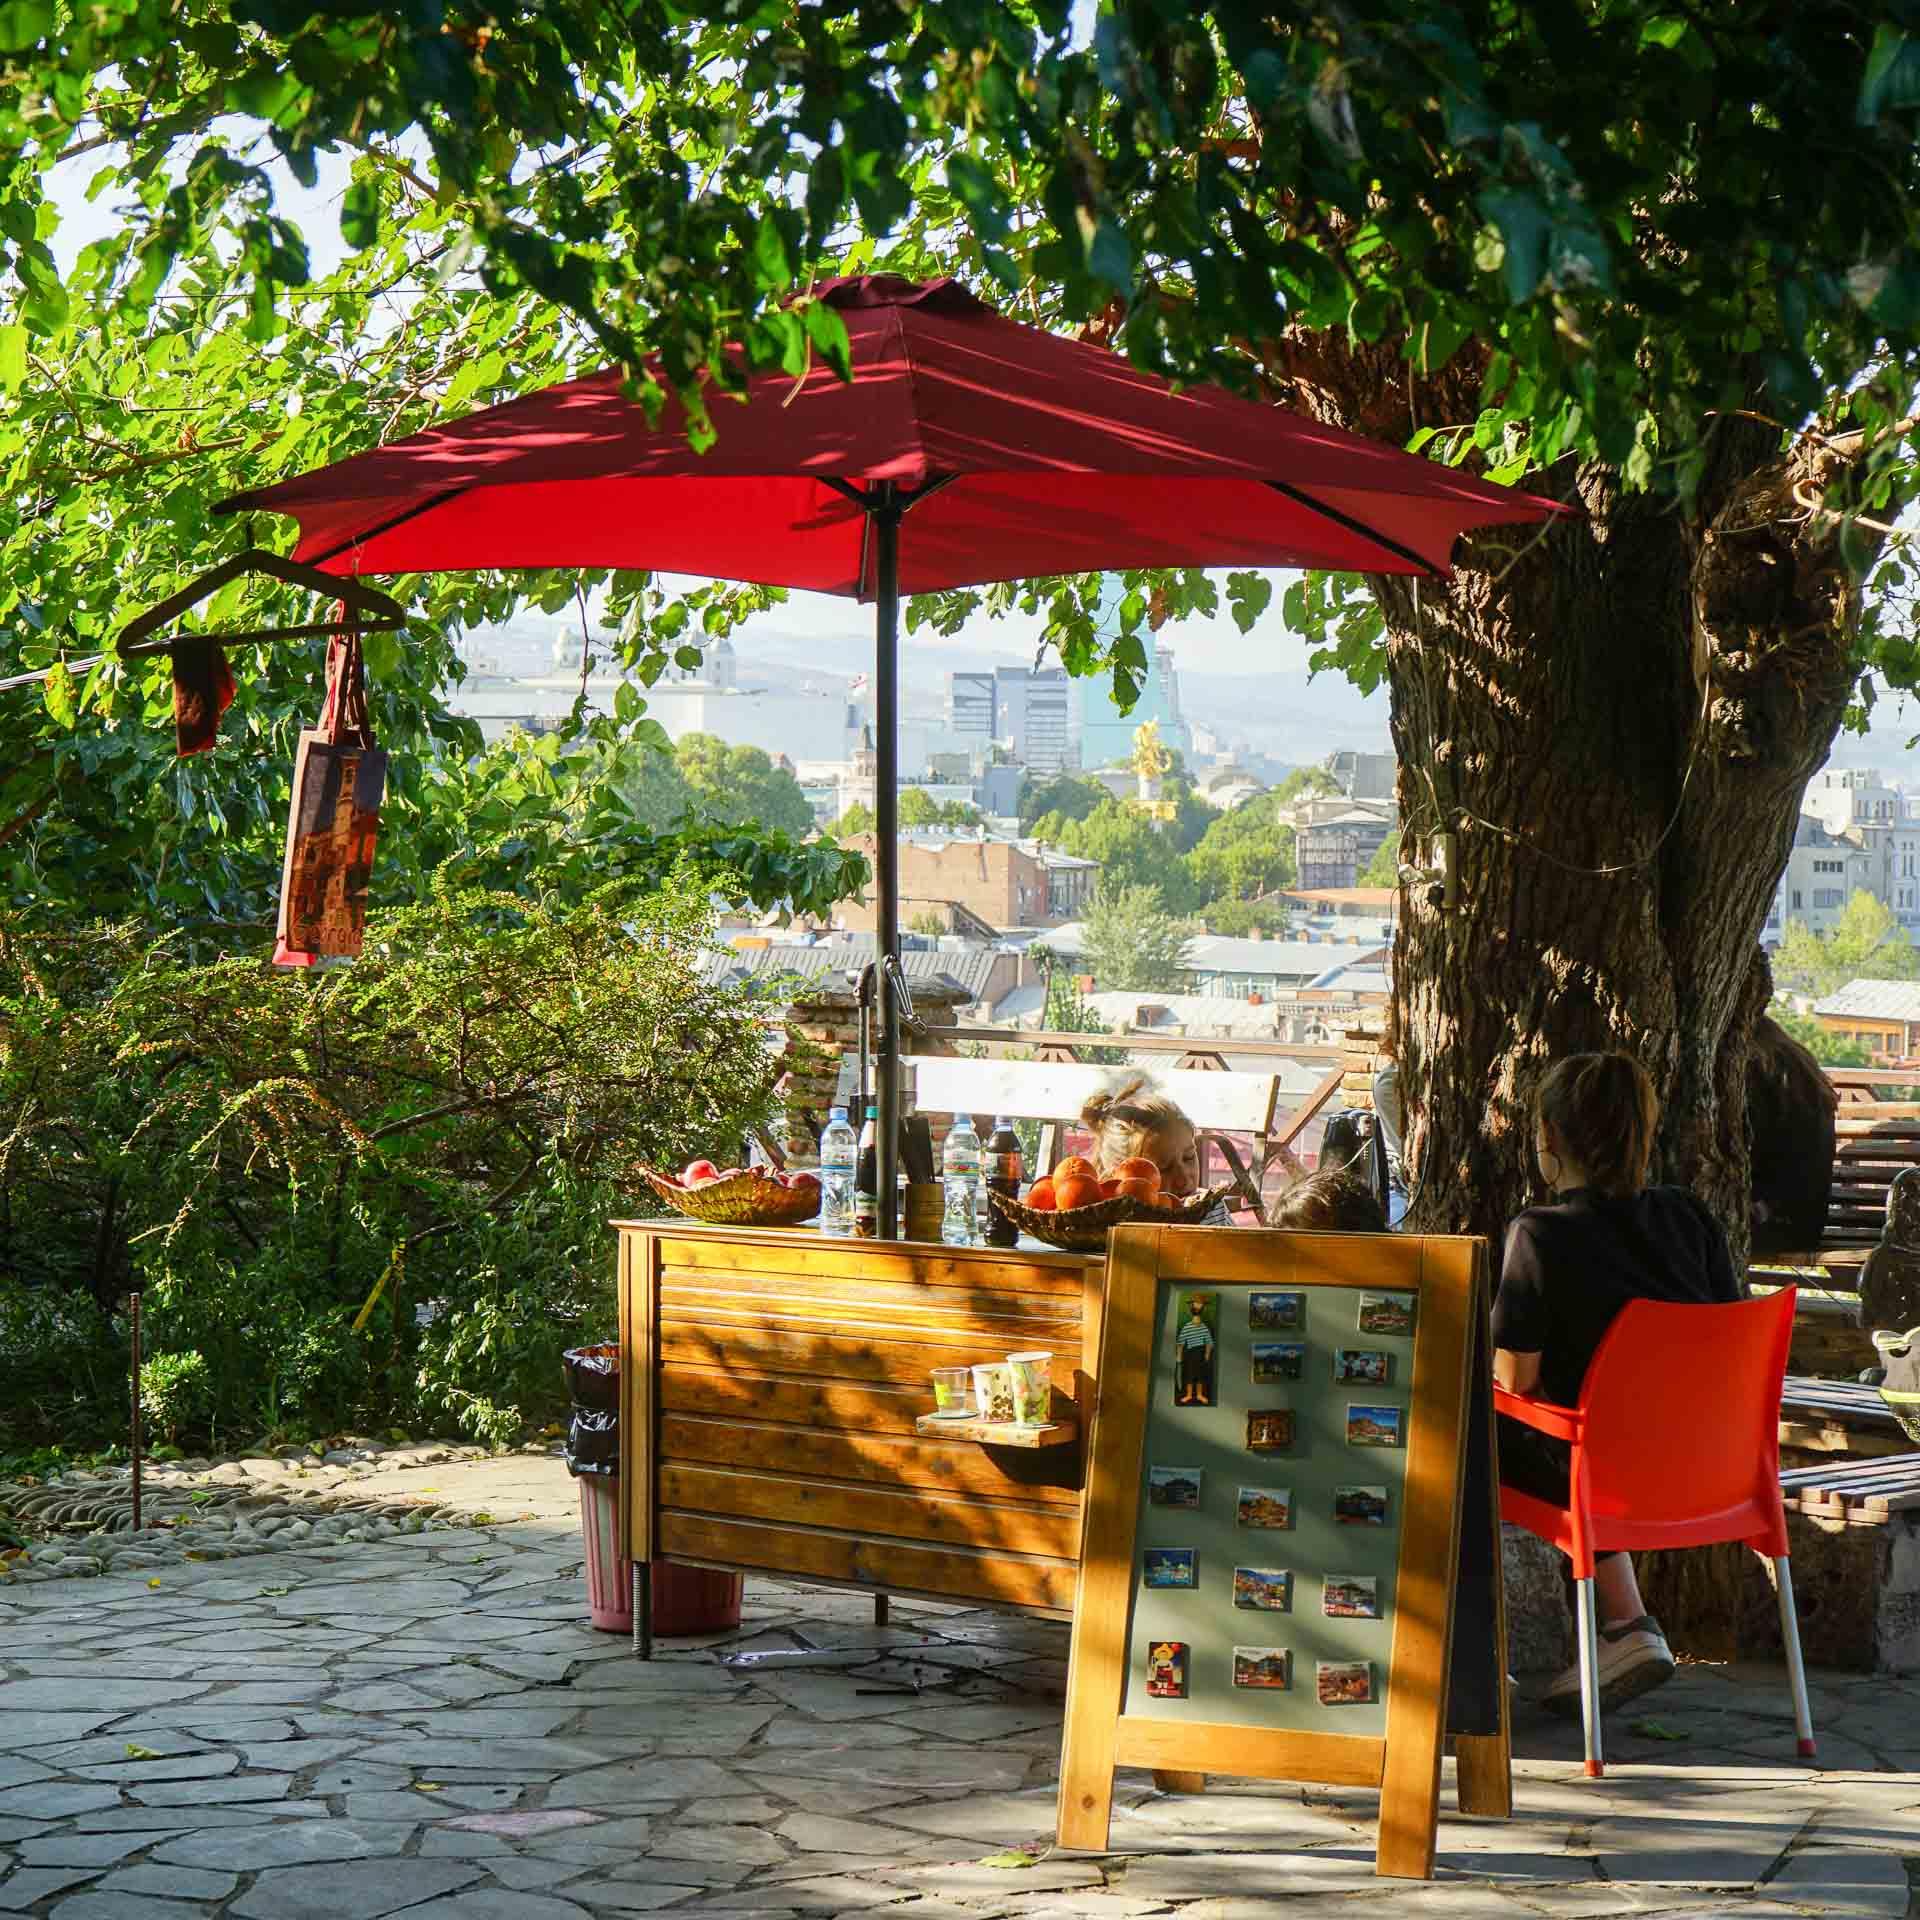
column 1129, row 1122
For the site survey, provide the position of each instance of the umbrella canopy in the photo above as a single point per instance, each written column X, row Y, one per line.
column 1014, row 452
column 1050, row 456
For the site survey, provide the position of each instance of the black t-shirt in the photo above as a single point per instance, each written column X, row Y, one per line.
column 1569, row 1268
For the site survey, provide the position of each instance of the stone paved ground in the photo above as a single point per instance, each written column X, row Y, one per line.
column 425, row 1725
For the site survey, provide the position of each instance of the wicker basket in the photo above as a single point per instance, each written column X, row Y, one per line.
column 750, row 1199
column 1084, row 1229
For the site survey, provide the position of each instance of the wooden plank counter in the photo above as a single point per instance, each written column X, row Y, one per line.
column 771, row 1382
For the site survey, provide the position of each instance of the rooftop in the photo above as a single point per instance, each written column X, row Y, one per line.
column 1874, row 1000
column 1297, row 959
column 970, row 971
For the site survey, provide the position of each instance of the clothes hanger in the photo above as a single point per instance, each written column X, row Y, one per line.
column 368, row 610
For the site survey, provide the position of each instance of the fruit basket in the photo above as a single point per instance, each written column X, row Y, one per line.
column 1085, row 1229
column 748, row 1199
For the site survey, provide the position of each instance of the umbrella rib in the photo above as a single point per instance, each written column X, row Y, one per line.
column 386, row 526
column 1302, row 498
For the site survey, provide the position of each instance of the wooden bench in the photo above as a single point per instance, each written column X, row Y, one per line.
column 1874, row 1140
column 1218, row 1103
column 1854, row 1529
column 1837, row 1417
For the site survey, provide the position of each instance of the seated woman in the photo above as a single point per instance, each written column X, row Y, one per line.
column 1128, row 1122
column 1336, row 1201
column 1568, row 1269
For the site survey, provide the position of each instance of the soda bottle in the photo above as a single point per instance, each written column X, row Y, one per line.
column 1003, row 1176
column 960, row 1176
column 839, row 1156
column 866, row 1178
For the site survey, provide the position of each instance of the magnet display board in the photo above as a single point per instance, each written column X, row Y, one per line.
column 1274, row 1523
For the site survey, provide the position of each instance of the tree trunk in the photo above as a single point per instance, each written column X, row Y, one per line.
column 1616, row 720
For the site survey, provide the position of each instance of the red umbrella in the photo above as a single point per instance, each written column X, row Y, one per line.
column 1016, row 452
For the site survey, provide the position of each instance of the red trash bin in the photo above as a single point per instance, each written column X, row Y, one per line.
column 694, row 1599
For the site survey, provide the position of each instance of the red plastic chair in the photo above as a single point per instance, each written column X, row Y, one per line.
column 1675, row 1444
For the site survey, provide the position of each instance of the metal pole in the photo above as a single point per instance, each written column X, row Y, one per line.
column 134, row 1318
column 885, row 515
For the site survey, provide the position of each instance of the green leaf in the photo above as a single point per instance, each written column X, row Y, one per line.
column 770, row 257
column 360, row 215
column 25, row 23
column 828, row 332
column 1110, row 258
column 13, row 356
column 1014, row 1857
column 383, row 654
column 1892, row 77
column 1657, row 1730
column 57, row 691
column 135, row 1751
column 1248, row 596
column 1523, row 226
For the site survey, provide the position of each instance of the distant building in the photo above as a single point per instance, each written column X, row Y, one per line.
column 1242, row 969
column 1364, row 776
column 1336, row 838
column 1106, row 734
column 1344, row 903
column 972, row 705
column 1823, row 873
column 1035, row 717
column 1004, row 882
column 1029, row 708
column 1883, row 1016
column 1227, row 787
column 984, row 975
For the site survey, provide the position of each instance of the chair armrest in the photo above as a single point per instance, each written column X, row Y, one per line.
column 1563, row 1423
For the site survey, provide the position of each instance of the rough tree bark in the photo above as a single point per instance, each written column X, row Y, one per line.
column 1617, row 720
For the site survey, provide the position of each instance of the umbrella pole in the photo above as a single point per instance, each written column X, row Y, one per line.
column 885, row 514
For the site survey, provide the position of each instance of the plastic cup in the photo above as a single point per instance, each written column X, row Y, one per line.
column 1032, row 1388
column 993, row 1390
column 950, row 1389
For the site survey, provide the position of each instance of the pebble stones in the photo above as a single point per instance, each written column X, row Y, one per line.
column 199, row 1510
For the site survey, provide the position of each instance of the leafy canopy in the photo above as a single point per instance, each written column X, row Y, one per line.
column 1865, row 943
column 1132, row 943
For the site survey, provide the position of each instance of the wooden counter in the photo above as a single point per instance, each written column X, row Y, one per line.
column 771, row 1379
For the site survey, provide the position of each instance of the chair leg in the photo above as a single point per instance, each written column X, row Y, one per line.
column 1796, row 1665
column 1589, row 1629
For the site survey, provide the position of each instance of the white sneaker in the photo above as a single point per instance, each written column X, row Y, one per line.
column 1634, row 1659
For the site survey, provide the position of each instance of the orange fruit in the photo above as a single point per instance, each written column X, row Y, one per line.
column 1138, row 1168
column 1040, row 1196
column 1147, row 1190
column 1074, row 1167
column 1109, row 1189
column 1073, row 1191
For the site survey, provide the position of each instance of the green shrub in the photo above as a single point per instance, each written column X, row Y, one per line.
column 175, row 1388
column 360, row 1196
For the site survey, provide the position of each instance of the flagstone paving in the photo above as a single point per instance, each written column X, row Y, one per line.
column 424, row 1725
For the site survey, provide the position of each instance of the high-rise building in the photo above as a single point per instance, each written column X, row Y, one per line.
column 1106, row 734
column 972, row 706
column 1035, row 716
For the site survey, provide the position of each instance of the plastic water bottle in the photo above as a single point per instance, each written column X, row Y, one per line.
column 838, row 1150
column 960, row 1176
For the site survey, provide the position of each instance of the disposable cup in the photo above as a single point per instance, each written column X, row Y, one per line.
column 993, row 1390
column 1032, row 1387
column 950, row 1389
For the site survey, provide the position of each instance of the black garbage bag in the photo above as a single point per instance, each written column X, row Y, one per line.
column 593, row 1434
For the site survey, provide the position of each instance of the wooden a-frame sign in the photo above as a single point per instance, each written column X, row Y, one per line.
column 1391, row 1544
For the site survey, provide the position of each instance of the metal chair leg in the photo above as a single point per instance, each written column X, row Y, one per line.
column 880, row 1609
column 1796, row 1664
column 1589, row 1627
